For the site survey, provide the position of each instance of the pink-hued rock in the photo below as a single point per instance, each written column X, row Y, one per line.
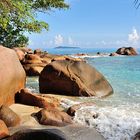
column 39, row 100
column 73, row 78
column 4, row 132
column 53, row 117
column 71, row 110
column 12, row 76
column 8, row 116
column 127, row 51
column 38, row 52
column 20, row 54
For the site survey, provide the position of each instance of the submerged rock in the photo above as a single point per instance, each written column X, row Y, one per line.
column 12, row 76
column 71, row 110
column 4, row 132
column 127, row 51
column 75, row 78
column 8, row 116
column 137, row 136
column 53, row 117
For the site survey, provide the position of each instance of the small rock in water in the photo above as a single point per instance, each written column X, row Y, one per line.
column 71, row 110
column 137, row 136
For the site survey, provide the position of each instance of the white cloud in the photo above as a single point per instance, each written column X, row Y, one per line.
column 58, row 40
column 70, row 41
column 134, row 36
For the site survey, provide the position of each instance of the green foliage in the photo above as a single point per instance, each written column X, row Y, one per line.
column 19, row 16
column 12, row 37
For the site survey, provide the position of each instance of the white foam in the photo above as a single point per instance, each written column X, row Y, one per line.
column 66, row 103
column 90, row 56
column 114, row 123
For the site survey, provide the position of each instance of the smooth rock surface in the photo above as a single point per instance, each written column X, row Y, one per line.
column 4, row 132
column 44, row 134
column 12, row 76
column 127, row 51
column 53, row 117
column 71, row 132
column 9, row 116
column 74, row 78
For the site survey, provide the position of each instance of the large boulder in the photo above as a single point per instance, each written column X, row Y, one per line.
column 75, row 78
column 38, row 134
column 34, row 99
column 12, row 76
column 53, row 117
column 8, row 116
column 34, row 63
column 127, row 51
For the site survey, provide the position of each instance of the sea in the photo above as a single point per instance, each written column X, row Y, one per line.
column 118, row 114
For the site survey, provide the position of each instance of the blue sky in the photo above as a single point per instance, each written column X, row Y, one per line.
column 91, row 23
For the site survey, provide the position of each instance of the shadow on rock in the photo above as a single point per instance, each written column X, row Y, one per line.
column 45, row 134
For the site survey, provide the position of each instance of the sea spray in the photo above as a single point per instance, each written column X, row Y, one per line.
column 113, row 123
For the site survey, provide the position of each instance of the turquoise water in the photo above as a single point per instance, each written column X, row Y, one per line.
column 118, row 114
column 124, row 75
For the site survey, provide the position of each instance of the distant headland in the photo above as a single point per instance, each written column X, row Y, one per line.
column 66, row 47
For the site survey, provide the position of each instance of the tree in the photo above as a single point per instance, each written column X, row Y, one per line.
column 17, row 17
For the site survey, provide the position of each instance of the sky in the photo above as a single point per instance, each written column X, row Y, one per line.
column 91, row 24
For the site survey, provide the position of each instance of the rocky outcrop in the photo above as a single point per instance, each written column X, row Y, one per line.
column 74, row 78
column 34, row 99
column 38, row 52
column 4, row 132
column 21, row 52
column 126, row 51
column 8, row 116
column 71, row 110
column 34, row 63
column 12, row 76
column 71, row 132
column 53, row 117
column 114, row 54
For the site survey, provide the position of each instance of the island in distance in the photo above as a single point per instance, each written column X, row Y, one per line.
column 66, row 47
